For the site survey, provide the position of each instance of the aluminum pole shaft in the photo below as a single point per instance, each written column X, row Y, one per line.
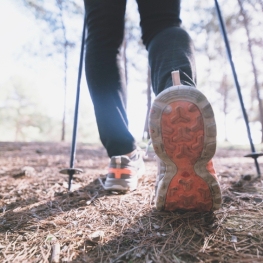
column 75, row 124
column 228, row 49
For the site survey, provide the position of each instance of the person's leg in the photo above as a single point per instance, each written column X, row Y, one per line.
column 181, row 123
column 169, row 46
column 105, row 22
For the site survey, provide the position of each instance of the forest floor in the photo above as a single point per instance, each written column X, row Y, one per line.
column 38, row 216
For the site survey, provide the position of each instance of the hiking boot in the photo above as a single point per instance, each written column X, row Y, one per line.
column 124, row 172
column 183, row 133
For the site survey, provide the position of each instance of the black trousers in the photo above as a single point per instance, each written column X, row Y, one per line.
column 169, row 48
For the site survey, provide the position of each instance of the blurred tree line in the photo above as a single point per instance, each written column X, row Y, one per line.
column 23, row 114
column 243, row 21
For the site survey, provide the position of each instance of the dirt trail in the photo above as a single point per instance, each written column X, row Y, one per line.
column 91, row 225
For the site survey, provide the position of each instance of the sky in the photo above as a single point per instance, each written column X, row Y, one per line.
column 19, row 34
column 18, row 30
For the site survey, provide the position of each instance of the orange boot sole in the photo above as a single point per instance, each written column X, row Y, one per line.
column 183, row 133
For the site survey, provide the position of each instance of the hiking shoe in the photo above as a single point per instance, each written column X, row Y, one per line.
column 124, row 172
column 183, row 133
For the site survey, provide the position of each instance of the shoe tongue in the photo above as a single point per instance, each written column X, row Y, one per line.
column 123, row 159
column 118, row 159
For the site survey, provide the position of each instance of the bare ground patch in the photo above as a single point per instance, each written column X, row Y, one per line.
column 91, row 225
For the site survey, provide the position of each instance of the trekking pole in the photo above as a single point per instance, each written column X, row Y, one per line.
column 71, row 170
column 254, row 154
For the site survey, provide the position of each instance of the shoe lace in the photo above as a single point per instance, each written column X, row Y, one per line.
column 191, row 83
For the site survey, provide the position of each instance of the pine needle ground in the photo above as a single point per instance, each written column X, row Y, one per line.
column 38, row 215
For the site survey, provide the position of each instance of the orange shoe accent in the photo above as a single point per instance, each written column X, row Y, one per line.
column 182, row 131
column 210, row 168
column 119, row 171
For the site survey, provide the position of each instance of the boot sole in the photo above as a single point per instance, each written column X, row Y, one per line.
column 183, row 133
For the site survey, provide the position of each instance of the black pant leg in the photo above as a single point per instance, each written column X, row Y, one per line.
column 105, row 22
column 169, row 46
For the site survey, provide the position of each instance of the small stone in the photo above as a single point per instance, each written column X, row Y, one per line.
column 233, row 239
column 24, row 171
column 96, row 236
column 29, row 171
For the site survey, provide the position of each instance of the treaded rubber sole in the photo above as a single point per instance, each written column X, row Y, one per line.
column 130, row 184
column 112, row 184
column 183, row 133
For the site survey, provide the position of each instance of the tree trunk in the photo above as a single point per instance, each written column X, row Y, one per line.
column 249, row 44
column 224, row 91
column 146, row 134
column 65, row 53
